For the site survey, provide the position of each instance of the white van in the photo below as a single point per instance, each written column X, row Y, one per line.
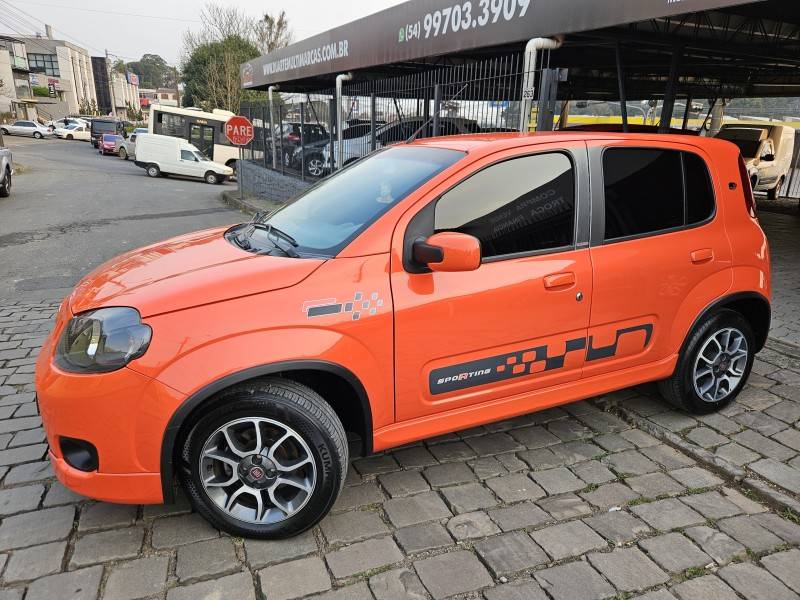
column 767, row 151
column 164, row 154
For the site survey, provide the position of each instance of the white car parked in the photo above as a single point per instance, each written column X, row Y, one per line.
column 73, row 132
column 167, row 155
column 29, row 128
column 66, row 122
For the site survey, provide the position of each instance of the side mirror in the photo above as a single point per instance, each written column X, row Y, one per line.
column 448, row 251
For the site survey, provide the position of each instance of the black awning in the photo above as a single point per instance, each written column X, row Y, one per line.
column 420, row 29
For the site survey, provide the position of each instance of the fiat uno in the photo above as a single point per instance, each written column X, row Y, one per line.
column 427, row 288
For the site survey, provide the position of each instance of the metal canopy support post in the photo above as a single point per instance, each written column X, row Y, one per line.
column 340, row 79
column 671, row 91
column 302, row 141
column 529, row 76
column 373, row 122
column 332, row 133
column 623, row 98
column 437, row 107
column 548, row 90
column 686, row 112
column 272, row 125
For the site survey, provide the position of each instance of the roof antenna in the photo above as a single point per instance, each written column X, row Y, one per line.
column 425, row 124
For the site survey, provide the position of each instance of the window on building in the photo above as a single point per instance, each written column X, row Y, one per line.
column 649, row 190
column 44, row 63
column 519, row 205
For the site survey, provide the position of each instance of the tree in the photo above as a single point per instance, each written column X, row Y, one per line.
column 119, row 66
column 153, row 71
column 211, row 74
column 271, row 33
column 213, row 55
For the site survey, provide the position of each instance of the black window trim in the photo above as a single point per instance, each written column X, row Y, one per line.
column 600, row 210
column 579, row 169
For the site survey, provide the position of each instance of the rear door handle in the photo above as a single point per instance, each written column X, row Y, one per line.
column 702, row 255
column 559, row 280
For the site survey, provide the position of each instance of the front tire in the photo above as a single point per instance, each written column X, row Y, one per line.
column 37, row 135
column 714, row 364
column 123, row 154
column 268, row 462
column 315, row 166
column 69, row 136
column 211, row 178
column 4, row 131
column 5, row 185
column 153, row 171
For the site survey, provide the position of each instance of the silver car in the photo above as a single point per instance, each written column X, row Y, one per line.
column 6, row 169
column 29, row 128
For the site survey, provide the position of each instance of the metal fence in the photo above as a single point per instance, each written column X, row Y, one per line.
column 297, row 134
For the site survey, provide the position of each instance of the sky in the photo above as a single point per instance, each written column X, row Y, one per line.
column 159, row 25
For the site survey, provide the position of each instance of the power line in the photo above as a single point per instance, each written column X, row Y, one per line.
column 122, row 14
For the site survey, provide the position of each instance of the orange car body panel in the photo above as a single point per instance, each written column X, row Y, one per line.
column 546, row 320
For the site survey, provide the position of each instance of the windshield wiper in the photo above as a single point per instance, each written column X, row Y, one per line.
column 278, row 238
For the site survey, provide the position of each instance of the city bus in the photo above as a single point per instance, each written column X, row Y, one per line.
column 204, row 130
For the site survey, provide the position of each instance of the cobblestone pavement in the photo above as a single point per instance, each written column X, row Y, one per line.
column 574, row 503
column 566, row 504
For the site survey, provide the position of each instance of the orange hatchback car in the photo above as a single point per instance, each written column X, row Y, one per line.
column 429, row 287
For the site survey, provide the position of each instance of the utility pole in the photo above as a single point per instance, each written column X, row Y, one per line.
column 110, row 70
column 177, row 89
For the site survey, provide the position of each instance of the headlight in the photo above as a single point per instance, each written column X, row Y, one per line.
column 102, row 340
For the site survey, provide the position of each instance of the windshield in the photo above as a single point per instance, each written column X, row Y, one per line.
column 70, row 127
column 333, row 212
column 103, row 126
column 200, row 156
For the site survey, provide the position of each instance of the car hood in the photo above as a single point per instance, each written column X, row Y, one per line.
column 186, row 271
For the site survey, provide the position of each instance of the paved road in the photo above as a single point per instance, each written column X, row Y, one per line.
column 72, row 209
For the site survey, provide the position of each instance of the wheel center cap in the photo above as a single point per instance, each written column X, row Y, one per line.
column 257, row 471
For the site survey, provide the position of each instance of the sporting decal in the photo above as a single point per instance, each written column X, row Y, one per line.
column 497, row 368
column 521, row 363
column 361, row 304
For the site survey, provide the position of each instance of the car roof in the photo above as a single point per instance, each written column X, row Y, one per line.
column 492, row 142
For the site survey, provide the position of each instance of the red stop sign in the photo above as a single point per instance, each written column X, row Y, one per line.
column 239, row 131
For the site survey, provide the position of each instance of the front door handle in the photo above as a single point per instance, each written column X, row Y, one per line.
column 559, row 281
column 703, row 255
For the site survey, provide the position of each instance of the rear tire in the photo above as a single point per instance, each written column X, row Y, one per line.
column 69, row 136
column 37, row 135
column 5, row 185
column 774, row 192
column 247, row 422
column 211, row 178
column 714, row 364
column 153, row 171
column 4, row 131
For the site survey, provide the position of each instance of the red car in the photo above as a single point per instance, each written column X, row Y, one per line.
column 109, row 143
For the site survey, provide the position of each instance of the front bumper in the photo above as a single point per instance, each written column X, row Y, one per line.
column 123, row 414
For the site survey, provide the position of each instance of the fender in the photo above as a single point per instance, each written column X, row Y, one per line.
column 726, row 300
column 196, row 399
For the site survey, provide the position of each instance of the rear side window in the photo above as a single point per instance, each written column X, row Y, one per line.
column 648, row 190
column 519, row 205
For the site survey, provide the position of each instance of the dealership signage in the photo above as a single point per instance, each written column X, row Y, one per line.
column 421, row 28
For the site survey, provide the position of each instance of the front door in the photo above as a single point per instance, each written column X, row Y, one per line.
column 519, row 321
column 659, row 251
column 202, row 138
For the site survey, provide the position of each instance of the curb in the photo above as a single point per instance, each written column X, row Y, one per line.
column 727, row 469
column 243, row 204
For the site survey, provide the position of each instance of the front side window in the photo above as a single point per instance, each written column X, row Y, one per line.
column 187, row 155
column 520, row 205
column 333, row 212
column 649, row 190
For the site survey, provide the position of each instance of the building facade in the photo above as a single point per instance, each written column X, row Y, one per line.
column 125, row 94
column 16, row 96
column 65, row 69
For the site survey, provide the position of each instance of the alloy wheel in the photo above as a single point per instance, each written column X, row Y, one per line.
column 315, row 167
column 257, row 470
column 720, row 364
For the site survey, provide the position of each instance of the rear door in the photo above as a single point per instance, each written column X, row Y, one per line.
column 516, row 324
column 660, row 252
